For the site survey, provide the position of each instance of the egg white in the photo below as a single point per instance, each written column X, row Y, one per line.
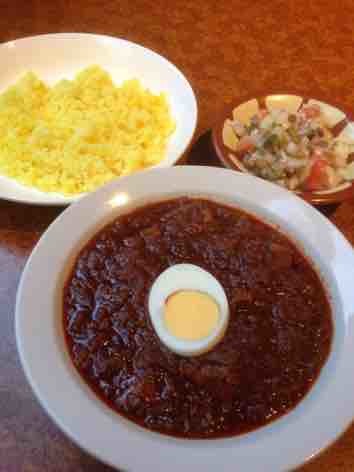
column 187, row 277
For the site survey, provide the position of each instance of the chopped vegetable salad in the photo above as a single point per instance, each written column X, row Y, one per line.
column 296, row 150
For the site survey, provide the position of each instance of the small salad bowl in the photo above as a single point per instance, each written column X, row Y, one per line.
column 304, row 145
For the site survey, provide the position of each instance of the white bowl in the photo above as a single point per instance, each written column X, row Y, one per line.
column 56, row 56
column 283, row 444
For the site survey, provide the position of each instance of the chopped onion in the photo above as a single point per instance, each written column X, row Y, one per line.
column 292, row 148
column 267, row 122
column 348, row 172
column 293, row 182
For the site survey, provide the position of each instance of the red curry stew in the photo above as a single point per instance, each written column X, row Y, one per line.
column 278, row 338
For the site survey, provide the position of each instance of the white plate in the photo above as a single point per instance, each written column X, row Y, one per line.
column 56, row 56
column 225, row 141
column 296, row 437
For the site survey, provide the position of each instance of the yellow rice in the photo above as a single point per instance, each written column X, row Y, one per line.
column 79, row 134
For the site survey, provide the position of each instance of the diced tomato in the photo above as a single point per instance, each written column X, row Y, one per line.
column 245, row 145
column 318, row 178
column 311, row 111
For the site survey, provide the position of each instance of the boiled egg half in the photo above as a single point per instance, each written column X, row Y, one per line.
column 188, row 309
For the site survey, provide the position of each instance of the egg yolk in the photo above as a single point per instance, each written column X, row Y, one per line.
column 190, row 315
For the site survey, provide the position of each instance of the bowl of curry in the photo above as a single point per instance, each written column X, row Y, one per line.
column 268, row 379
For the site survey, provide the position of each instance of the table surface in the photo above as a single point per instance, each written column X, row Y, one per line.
column 228, row 51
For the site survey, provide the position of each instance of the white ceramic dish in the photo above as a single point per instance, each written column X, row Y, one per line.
column 56, row 56
column 296, row 437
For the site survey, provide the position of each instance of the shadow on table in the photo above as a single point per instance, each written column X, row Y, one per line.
column 202, row 153
column 23, row 217
column 328, row 210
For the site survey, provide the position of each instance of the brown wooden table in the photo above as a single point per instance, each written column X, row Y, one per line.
column 229, row 50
